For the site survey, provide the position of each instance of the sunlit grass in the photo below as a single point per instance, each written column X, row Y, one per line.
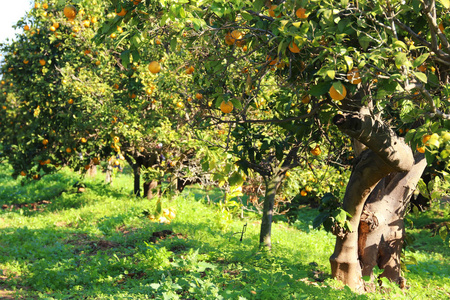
column 100, row 245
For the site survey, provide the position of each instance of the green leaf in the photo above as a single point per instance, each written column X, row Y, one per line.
column 443, row 232
column 400, row 44
column 420, row 60
column 331, row 73
column 349, row 62
column 319, row 89
column 401, row 60
column 125, row 57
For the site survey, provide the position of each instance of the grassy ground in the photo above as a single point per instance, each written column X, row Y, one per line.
column 56, row 243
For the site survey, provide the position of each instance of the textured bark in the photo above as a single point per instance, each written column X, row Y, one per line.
column 381, row 231
column 387, row 153
column 368, row 171
column 272, row 185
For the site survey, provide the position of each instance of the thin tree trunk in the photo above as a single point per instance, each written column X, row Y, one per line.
column 109, row 171
column 272, row 186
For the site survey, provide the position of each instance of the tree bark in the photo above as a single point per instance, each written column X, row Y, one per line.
column 272, row 185
column 387, row 153
column 382, row 231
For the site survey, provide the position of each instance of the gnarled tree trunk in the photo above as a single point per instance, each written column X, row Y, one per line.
column 272, row 185
column 387, row 153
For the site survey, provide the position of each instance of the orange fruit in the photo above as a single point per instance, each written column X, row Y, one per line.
column 83, row 140
column 95, row 161
column 136, row 2
column 36, row 5
column 306, row 99
column 272, row 11
column 68, row 150
column 25, row 61
column 44, row 142
column 308, row 189
column 420, row 149
column 303, row 193
column 23, row 173
column 301, row 13
column 122, row 13
column 154, row 67
column 45, row 6
column 42, row 62
column 353, row 76
column 26, row 28
column 335, row 95
column 56, row 25
column 271, row 60
column 70, row 101
column 294, row 48
column 94, row 20
column 70, row 11
column 113, row 35
column 228, row 39
column 190, row 70
column 422, row 68
column 199, row 96
column 316, row 151
column 86, row 23
column 52, row 28
column 180, row 104
column 226, row 107
column 425, row 138
column 235, row 35
column 97, row 63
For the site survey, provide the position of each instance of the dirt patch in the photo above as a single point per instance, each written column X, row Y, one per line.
column 85, row 243
column 166, row 234
column 5, row 291
column 35, row 206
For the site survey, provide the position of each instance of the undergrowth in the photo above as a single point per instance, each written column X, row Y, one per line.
column 56, row 243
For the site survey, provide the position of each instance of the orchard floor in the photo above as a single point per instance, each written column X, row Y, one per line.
column 56, row 243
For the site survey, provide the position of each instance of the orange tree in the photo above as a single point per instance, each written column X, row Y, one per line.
column 67, row 100
column 288, row 67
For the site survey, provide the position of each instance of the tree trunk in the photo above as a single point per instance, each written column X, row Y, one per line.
column 150, row 188
column 381, row 231
column 387, row 153
column 272, row 186
column 368, row 171
column 137, row 179
column 109, row 172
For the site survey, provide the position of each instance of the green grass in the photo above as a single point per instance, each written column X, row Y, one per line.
column 100, row 245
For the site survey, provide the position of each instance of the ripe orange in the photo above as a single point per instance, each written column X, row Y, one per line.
column 154, row 67
column 235, row 36
column 272, row 11
column 316, row 151
column 422, row 68
column 44, row 142
column 190, row 70
column 83, row 140
column 308, row 189
column 26, row 28
column 335, row 95
column 36, row 5
column 70, row 11
column 70, row 101
column 97, row 63
column 199, row 96
column 303, row 193
column 45, row 6
column 122, row 13
column 425, row 138
column 180, row 104
column 294, row 48
column 52, row 28
column 42, row 62
column 56, row 25
column 68, row 150
column 25, row 61
column 420, row 149
column 353, row 76
column 86, row 23
column 94, row 20
column 271, row 60
column 113, row 35
column 95, row 161
column 301, row 13
column 226, row 107
column 228, row 39
column 23, row 173
column 306, row 99
column 157, row 41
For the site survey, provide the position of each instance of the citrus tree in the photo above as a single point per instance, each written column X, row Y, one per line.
column 67, row 100
column 288, row 67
